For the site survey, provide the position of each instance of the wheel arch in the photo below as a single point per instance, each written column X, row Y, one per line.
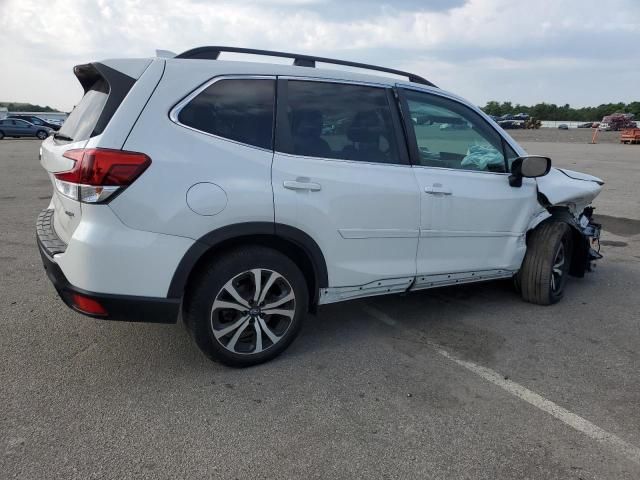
column 290, row 241
column 580, row 251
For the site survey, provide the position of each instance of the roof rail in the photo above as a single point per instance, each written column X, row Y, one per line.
column 212, row 53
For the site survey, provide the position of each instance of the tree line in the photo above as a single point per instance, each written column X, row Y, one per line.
column 551, row 111
column 25, row 107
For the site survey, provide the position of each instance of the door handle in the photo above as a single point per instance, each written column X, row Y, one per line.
column 437, row 190
column 297, row 185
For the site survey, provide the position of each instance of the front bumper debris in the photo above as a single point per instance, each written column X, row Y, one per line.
column 591, row 231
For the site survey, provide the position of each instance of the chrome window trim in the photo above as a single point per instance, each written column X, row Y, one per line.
column 334, row 80
column 177, row 108
column 343, row 160
column 461, row 170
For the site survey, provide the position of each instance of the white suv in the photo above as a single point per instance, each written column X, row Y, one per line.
column 242, row 195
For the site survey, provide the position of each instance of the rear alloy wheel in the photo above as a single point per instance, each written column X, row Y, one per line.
column 42, row 134
column 247, row 307
column 253, row 311
column 545, row 268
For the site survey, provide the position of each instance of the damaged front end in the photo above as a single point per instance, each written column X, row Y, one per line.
column 590, row 231
column 567, row 196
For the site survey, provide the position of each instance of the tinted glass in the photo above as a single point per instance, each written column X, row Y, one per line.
column 240, row 110
column 80, row 123
column 510, row 153
column 451, row 135
column 332, row 120
column 21, row 123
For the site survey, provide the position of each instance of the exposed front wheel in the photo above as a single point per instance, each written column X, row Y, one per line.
column 545, row 268
column 247, row 307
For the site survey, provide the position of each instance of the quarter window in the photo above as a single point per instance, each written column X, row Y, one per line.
column 451, row 135
column 237, row 109
column 332, row 120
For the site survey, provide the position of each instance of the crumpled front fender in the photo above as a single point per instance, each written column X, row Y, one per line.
column 564, row 187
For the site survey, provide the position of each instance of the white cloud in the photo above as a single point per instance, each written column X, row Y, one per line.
column 571, row 51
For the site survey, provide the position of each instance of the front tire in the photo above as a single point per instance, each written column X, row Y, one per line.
column 247, row 307
column 41, row 134
column 545, row 268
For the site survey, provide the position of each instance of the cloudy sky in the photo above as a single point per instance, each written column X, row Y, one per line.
column 582, row 52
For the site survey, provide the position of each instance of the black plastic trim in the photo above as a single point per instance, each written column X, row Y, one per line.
column 396, row 119
column 47, row 236
column 230, row 232
column 127, row 308
column 119, row 86
column 213, row 52
column 409, row 131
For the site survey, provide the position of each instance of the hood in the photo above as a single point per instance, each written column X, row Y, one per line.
column 564, row 187
column 581, row 176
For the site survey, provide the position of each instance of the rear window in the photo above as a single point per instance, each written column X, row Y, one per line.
column 105, row 88
column 236, row 109
column 81, row 122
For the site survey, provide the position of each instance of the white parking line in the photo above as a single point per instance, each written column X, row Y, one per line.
column 578, row 423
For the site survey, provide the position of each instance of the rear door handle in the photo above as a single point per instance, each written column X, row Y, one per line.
column 297, row 185
column 437, row 190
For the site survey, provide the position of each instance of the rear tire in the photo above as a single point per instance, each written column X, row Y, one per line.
column 545, row 268
column 247, row 306
column 41, row 134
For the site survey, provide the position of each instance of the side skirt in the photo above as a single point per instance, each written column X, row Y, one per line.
column 409, row 284
column 445, row 279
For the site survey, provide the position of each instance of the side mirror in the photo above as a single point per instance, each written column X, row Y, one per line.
column 531, row 166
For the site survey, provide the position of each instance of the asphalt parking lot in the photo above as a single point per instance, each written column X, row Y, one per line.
column 467, row 382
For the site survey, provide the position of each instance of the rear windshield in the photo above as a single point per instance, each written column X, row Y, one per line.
column 84, row 117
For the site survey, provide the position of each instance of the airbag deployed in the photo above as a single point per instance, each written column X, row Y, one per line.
column 481, row 157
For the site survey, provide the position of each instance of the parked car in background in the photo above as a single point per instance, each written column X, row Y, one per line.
column 563, row 126
column 36, row 121
column 586, row 125
column 15, row 127
column 510, row 124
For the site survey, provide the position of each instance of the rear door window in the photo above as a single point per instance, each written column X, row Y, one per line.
column 341, row 121
column 236, row 109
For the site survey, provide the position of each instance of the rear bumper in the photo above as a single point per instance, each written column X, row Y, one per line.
column 130, row 308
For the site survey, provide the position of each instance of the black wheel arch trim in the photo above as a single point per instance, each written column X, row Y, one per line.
column 277, row 230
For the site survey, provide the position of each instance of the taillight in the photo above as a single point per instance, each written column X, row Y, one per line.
column 99, row 172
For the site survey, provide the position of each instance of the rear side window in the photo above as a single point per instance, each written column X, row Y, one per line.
column 342, row 121
column 237, row 109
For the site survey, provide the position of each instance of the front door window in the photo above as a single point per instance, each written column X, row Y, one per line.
column 451, row 135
